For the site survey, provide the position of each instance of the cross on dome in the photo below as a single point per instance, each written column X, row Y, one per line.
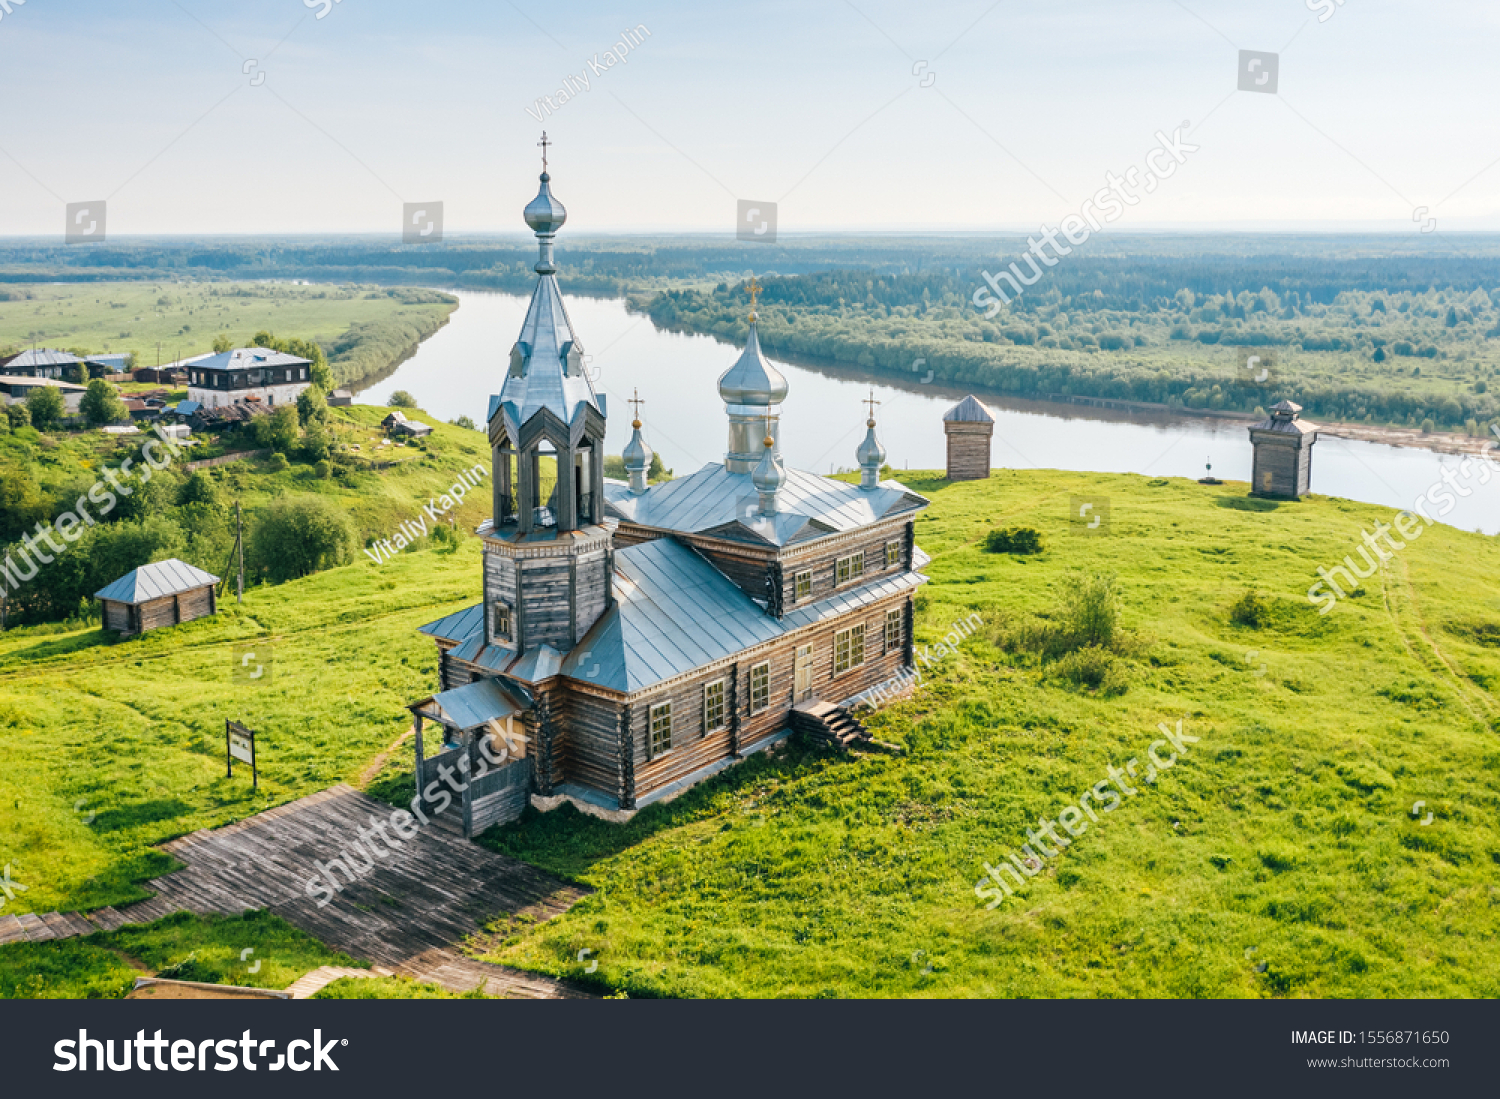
column 636, row 401
column 544, row 143
column 753, row 288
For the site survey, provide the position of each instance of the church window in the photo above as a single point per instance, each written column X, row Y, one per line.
column 760, row 687
column 893, row 629
column 892, row 554
column 502, row 622
column 801, row 585
column 661, row 729
column 713, row 706
column 851, row 568
column 848, row 649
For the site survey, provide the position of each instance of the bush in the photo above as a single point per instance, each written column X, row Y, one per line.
column 468, row 424
column 278, row 430
column 18, row 415
column 1097, row 669
column 1017, row 540
column 401, row 399
column 312, row 405
column 299, row 536
column 46, row 405
column 322, row 469
column 1250, row 610
column 1091, row 609
column 279, row 463
column 101, row 405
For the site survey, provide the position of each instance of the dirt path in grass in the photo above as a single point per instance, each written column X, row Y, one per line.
column 1405, row 612
column 368, row 775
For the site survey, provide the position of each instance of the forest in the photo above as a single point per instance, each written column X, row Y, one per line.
column 1352, row 341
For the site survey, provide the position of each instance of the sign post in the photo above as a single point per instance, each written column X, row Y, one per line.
column 239, row 744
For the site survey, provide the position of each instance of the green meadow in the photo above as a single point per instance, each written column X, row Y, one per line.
column 1280, row 856
column 363, row 329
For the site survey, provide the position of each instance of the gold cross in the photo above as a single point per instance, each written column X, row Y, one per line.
column 753, row 288
column 544, row 143
column 872, row 402
column 636, row 401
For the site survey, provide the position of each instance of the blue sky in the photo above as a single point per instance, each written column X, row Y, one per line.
column 949, row 115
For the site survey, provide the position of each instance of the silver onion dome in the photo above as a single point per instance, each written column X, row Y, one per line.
column 544, row 213
column 752, row 380
column 637, row 460
column 870, row 452
column 769, row 476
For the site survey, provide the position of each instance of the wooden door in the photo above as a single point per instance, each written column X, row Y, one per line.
column 804, row 673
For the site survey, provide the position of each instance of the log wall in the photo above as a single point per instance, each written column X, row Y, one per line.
column 968, row 450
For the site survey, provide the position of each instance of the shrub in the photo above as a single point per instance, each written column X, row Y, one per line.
column 1088, row 667
column 101, row 405
column 1016, row 540
column 401, row 399
column 1091, row 609
column 312, row 405
column 18, row 415
column 279, row 463
column 322, row 469
column 468, row 424
column 297, row 537
column 46, row 405
column 278, row 430
column 1250, row 610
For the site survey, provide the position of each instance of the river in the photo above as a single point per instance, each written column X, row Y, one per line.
column 454, row 372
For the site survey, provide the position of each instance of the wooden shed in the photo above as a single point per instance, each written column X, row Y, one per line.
column 1283, row 453
column 968, row 426
column 164, row 593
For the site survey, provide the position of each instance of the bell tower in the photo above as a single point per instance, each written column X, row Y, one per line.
column 549, row 549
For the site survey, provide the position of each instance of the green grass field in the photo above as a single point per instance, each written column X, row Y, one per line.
column 185, row 316
column 1280, row 857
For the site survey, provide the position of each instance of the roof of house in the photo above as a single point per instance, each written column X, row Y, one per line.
column 187, row 408
column 67, row 387
column 674, row 612
column 162, row 578
column 725, row 504
column 249, row 358
column 970, row 410
column 41, row 356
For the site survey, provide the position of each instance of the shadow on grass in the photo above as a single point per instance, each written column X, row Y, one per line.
column 144, row 812
column 63, row 646
column 567, row 842
column 1247, row 503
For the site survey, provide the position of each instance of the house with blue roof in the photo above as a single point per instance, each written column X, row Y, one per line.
column 634, row 639
column 255, row 376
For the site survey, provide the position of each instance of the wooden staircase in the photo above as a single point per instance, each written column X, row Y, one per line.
column 824, row 723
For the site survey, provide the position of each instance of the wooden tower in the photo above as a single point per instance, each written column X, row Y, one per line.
column 1283, row 453
column 969, row 426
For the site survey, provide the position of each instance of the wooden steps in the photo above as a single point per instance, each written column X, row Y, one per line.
column 311, row 983
column 824, row 723
column 458, row 973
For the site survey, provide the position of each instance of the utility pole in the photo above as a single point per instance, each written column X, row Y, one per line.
column 239, row 546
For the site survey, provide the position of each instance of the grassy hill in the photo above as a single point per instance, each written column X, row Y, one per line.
column 1280, row 856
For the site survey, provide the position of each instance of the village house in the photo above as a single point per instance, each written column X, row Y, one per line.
column 16, row 389
column 253, row 375
column 634, row 639
column 165, row 593
column 43, row 362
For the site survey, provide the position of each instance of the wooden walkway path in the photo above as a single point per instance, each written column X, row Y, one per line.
column 409, row 912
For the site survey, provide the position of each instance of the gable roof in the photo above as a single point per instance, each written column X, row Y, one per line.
column 547, row 379
column 717, row 501
column 154, row 581
column 970, row 410
column 475, row 704
column 42, row 356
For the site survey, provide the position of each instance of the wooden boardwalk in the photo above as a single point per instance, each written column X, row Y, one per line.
column 409, row 912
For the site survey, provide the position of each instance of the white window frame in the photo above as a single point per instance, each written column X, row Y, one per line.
column 766, row 688
column 710, row 724
column 895, row 622
column 658, row 712
column 844, row 649
column 854, row 571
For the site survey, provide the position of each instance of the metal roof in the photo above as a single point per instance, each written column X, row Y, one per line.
column 42, row 356
column 458, row 626
column 1286, row 420
column 475, row 704
column 970, row 410
column 66, row 387
column 752, row 380
column 807, row 506
column 162, row 578
column 248, row 358
column 675, row 612
column 546, row 378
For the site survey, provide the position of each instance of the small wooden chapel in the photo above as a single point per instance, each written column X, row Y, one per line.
column 633, row 639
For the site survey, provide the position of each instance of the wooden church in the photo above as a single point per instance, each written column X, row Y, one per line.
column 634, row 639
